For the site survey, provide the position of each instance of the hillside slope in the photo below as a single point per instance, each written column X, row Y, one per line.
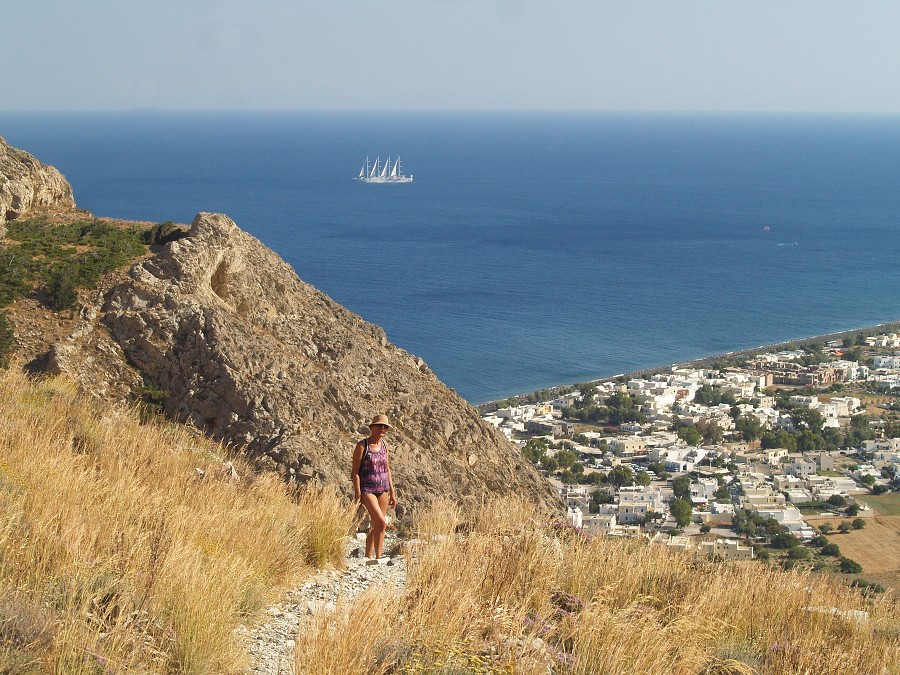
column 250, row 354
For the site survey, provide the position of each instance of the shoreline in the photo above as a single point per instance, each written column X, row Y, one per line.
column 826, row 337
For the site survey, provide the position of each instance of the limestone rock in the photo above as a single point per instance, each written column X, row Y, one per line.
column 252, row 355
column 26, row 183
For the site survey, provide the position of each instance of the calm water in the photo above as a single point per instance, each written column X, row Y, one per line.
column 531, row 250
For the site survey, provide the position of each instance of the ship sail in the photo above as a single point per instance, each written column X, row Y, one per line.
column 389, row 172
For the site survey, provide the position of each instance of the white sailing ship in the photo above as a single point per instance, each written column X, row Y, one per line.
column 383, row 173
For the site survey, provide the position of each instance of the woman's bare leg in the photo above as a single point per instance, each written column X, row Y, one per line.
column 378, row 523
column 383, row 501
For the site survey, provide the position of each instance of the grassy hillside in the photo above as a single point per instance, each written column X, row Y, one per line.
column 130, row 548
column 502, row 592
column 137, row 548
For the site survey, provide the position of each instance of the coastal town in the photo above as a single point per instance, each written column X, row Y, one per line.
column 757, row 456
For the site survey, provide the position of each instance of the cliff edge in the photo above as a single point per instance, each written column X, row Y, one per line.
column 26, row 183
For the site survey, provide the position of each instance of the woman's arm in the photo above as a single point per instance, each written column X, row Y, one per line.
column 357, row 458
column 392, row 496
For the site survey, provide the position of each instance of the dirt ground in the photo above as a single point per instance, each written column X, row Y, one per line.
column 876, row 547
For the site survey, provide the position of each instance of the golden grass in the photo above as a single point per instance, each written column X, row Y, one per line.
column 508, row 593
column 131, row 548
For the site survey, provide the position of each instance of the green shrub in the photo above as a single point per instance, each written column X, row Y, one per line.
column 63, row 258
column 798, row 553
column 7, row 339
column 867, row 586
column 850, row 566
column 61, row 293
column 784, row 540
column 831, row 549
column 162, row 233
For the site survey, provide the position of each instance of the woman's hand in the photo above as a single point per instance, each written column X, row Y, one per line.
column 392, row 498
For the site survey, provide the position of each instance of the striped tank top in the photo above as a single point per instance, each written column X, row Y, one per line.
column 373, row 477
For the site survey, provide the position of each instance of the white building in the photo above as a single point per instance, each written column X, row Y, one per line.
column 728, row 549
column 636, row 502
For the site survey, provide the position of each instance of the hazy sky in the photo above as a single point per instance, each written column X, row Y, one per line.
column 772, row 55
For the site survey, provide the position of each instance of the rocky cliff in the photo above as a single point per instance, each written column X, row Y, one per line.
column 252, row 355
column 26, row 183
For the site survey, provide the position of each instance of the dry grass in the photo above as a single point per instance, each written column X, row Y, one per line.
column 510, row 594
column 137, row 548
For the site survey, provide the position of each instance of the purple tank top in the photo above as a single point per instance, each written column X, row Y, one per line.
column 373, row 477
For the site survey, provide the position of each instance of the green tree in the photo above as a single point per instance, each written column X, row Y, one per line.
column 690, row 434
column 535, row 450
column 807, row 418
column 845, row 527
column 658, row 469
column 621, row 408
column 858, row 523
column 852, row 510
column 825, row 528
column 566, row 458
column 860, row 430
column 599, row 497
column 620, row 476
column 710, row 432
column 749, row 427
column 778, row 439
column 810, row 441
column 642, row 478
column 681, row 510
column 784, row 540
column 681, row 486
column 61, row 292
column 836, row 500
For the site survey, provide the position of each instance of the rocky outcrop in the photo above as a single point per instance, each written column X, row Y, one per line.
column 254, row 356
column 26, row 183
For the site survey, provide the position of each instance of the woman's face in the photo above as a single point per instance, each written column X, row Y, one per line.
column 380, row 429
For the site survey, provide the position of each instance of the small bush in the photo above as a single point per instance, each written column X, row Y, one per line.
column 798, row 553
column 7, row 339
column 60, row 292
column 62, row 258
column 867, row 586
column 850, row 566
column 162, row 233
column 784, row 540
column 831, row 549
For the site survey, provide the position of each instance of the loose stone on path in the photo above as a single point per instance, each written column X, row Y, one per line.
column 271, row 642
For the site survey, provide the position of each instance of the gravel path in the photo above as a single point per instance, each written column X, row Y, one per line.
column 271, row 643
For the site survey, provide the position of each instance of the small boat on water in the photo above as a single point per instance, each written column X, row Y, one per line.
column 383, row 173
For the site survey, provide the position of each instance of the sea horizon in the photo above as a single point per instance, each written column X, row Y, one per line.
column 533, row 249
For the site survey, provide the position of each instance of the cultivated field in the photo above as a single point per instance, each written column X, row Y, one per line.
column 877, row 546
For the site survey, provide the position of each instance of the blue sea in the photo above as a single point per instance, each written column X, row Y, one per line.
column 532, row 249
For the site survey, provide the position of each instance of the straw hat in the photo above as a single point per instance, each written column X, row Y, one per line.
column 380, row 419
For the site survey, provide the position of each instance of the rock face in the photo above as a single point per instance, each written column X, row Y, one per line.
column 254, row 356
column 26, row 183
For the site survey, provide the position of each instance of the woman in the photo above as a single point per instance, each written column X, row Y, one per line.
column 372, row 482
